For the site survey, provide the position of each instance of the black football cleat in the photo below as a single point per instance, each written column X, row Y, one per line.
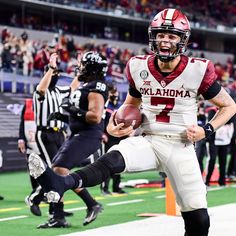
column 119, row 191
column 34, row 208
column 92, row 213
column 106, row 192
column 52, row 184
column 54, row 223
column 68, row 214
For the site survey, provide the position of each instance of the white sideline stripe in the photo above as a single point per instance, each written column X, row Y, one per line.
column 13, row 218
column 222, row 223
column 215, row 189
column 125, row 202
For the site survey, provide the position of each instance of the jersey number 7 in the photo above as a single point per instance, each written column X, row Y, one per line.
column 169, row 103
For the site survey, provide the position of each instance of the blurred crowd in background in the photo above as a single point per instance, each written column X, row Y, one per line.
column 201, row 13
column 29, row 57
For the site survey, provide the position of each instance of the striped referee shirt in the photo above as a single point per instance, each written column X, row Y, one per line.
column 47, row 104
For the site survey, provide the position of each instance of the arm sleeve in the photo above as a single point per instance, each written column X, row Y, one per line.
column 212, row 91
column 134, row 92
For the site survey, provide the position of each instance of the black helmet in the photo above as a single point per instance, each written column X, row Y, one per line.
column 93, row 65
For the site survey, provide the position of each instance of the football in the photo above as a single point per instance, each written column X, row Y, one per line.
column 129, row 115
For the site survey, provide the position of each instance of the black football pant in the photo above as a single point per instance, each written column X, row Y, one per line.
column 106, row 166
column 116, row 179
column 49, row 142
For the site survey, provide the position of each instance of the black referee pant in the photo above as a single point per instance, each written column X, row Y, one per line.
column 49, row 140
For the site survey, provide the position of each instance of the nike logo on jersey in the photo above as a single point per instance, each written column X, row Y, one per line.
column 182, row 87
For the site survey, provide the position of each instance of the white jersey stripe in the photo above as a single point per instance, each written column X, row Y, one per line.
column 169, row 16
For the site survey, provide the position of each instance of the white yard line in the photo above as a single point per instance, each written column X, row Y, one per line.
column 124, row 202
column 13, row 218
column 161, row 196
column 76, row 209
column 222, row 223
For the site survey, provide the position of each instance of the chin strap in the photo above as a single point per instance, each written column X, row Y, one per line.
column 166, row 58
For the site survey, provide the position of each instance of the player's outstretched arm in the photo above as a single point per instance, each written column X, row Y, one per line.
column 45, row 81
column 227, row 108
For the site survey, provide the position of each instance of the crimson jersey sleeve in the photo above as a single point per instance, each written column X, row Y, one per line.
column 209, row 78
column 134, row 92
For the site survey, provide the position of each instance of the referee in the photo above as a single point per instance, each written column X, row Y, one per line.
column 47, row 99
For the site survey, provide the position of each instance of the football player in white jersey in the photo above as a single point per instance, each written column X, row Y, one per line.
column 167, row 84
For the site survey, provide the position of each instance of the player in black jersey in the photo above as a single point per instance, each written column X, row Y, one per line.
column 86, row 113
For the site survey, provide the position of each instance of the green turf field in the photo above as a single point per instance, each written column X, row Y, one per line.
column 16, row 219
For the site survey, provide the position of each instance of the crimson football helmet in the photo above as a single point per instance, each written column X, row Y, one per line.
column 171, row 21
column 92, row 65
